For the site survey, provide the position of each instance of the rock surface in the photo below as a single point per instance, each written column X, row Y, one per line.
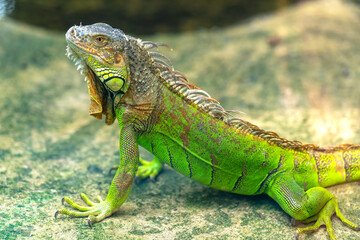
column 295, row 72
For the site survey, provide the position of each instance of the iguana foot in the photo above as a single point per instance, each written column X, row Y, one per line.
column 149, row 169
column 94, row 211
column 324, row 217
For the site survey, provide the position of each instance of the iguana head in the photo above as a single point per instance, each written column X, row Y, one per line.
column 99, row 48
column 98, row 51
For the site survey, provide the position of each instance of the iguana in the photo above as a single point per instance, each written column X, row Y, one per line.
column 183, row 127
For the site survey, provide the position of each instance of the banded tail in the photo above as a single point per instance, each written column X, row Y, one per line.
column 337, row 165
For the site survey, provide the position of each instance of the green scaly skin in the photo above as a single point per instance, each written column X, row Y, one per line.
column 186, row 129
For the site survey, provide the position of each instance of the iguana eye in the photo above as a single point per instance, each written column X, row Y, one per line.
column 100, row 39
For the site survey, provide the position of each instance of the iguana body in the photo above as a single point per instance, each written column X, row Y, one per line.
column 185, row 128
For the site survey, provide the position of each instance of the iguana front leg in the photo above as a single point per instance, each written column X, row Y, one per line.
column 120, row 186
column 315, row 204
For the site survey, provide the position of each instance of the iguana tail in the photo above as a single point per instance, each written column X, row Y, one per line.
column 337, row 165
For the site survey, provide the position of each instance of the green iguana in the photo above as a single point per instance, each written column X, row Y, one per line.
column 184, row 127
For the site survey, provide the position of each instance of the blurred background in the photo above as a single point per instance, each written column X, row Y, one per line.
column 141, row 16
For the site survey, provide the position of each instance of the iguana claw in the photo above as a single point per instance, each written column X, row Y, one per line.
column 115, row 167
column 56, row 214
column 296, row 236
column 89, row 223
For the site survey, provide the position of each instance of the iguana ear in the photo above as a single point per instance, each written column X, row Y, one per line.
column 100, row 101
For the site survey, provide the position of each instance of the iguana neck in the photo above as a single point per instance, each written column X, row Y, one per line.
column 145, row 81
